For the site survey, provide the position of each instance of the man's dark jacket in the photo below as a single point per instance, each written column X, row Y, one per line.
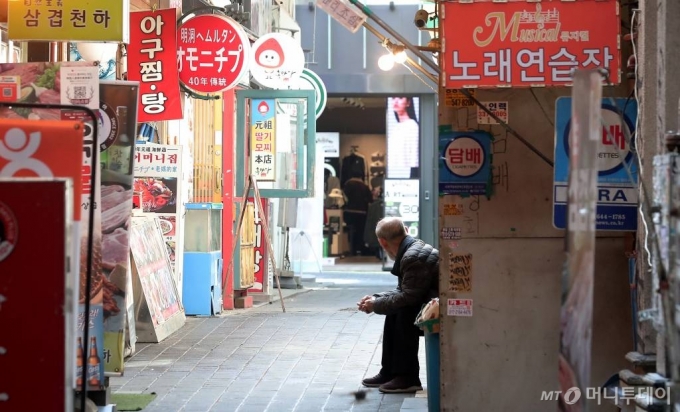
column 417, row 267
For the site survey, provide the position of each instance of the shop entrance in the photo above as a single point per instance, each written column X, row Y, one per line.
column 373, row 151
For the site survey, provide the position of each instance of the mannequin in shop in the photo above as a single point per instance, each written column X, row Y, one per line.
column 353, row 165
column 358, row 197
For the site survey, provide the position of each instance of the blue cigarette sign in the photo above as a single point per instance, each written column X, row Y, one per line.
column 616, row 164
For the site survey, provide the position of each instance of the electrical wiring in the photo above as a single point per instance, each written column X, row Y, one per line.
column 542, row 108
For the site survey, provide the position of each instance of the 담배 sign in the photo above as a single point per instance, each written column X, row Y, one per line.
column 263, row 140
column 499, row 109
column 464, row 163
column 213, row 53
column 344, row 13
column 617, row 193
column 69, row 20
column 277, row 61
column 525, row 44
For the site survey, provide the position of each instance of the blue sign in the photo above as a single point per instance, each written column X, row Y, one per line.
column 464, row 163
column 617, row 183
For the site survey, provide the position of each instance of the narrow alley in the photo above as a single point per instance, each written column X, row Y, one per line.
column 311, row 358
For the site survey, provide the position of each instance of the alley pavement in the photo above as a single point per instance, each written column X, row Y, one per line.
column 311, row 358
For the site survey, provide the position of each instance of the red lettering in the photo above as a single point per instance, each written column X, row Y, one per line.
column 614, row 136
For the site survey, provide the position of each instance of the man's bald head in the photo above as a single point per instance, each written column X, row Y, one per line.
column 390, row 229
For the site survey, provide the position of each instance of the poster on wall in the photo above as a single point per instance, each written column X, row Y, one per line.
column 465, row 163
column 617, row 189
column 117, row 128
column 158, row 172
column 403, row 138
column 527, row 44
column 260, row 248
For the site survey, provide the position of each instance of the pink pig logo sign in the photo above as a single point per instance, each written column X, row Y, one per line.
column 277, row 61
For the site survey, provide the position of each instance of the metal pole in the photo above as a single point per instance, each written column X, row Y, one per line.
column 412, row 62
column 396, row 35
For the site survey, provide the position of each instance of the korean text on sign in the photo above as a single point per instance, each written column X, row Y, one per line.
column 263, row 153
column 66, row 20
column 152, row 62
column 526, row 44
column 155, row 159
column 212, row 53
column 344, row 13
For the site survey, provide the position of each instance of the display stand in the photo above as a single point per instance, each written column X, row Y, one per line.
column 252, row 185
column 158, row 308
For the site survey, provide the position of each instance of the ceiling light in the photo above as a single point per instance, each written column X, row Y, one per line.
column 386, row 62
column 400, row 57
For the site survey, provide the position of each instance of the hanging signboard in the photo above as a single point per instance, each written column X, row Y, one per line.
column 343, row 12
column 526, row 44
column 158, row 184
column 263, row 139
column 617, row 194
column 464, row 163
column 277, row 61
column 73, row 20
column 117, row 128
column 152, row 60
column 35, row 225
column 213, row 53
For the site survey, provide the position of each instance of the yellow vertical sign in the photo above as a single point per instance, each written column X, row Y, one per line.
column 69, row 20
column 263, row 139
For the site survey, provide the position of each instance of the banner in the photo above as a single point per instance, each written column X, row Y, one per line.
column 578, row 283
column 72, row 20
column 260, row 248
column 44, row 83
column 36, row 287
column 158, row 180
column 403, row 137
column 263, row 139
column 152, row 60
column 117, row 128
column 526, row 44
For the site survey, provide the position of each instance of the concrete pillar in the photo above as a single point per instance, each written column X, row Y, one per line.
column 668, row 64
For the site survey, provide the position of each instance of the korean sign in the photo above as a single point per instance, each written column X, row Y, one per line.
column 260, row 256
column 464, row 163
column 277, row 61
column 157, row 187
column 344, row 13
column 152, row 62
column 455, row 98
column 212, row 53
column 526, row 43
column 263, row 140
column 617, row 194
column 69, row 20
column 499, row 109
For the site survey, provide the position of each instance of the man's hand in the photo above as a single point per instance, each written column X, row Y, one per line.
column 367, row 305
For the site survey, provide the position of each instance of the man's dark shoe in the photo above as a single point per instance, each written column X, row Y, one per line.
column 376, row 381
column 402, row 384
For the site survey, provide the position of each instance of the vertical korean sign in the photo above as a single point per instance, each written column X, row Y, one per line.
column 158, row 172
column 212, row 53
column 260, row 255
column 263, row 139
column 117, row 128
column 152, row 60
column 525, row 44
column 577, row 298
column 68, row 20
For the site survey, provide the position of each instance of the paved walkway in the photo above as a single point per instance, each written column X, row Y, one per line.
column 311, row 358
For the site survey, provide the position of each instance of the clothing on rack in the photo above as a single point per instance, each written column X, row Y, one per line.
column 353, row 165
column 376, row 211
column 354, row 213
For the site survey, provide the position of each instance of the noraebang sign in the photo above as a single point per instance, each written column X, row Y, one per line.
column 525, row 44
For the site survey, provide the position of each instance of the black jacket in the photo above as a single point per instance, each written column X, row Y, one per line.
column 417, row 267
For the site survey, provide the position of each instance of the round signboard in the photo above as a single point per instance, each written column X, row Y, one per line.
column 277, row 61
column 613, row 151
column 108, row 126
column 212, row 53
column 464, row 156
column 311, row 81
column 9, row 231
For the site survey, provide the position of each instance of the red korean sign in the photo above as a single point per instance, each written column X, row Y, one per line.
column 524, row 44
column 260, row 257
column 212, row 53
column 152, row 62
